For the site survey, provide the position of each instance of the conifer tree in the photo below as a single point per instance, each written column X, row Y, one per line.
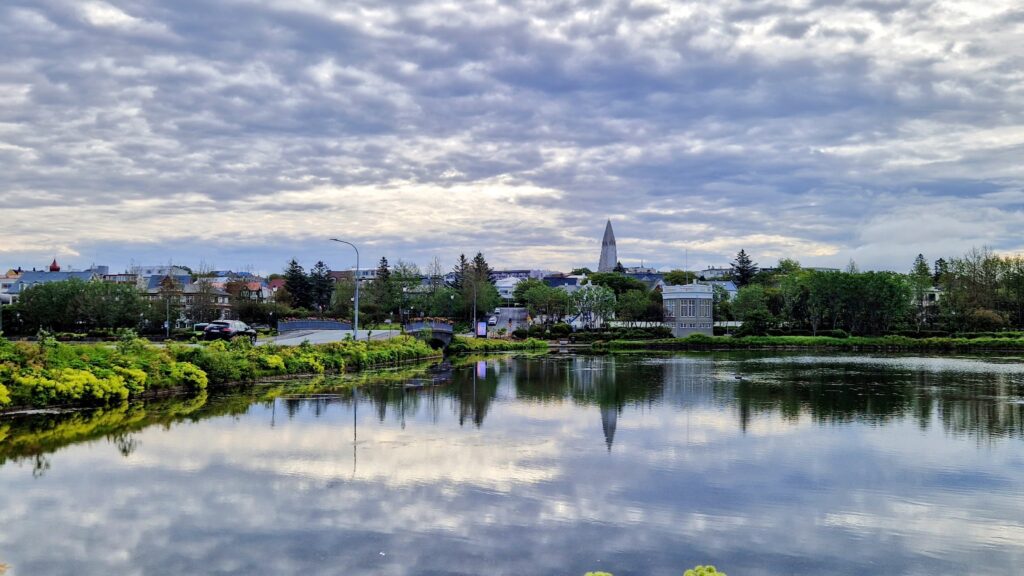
column 743, row 269
column 321, row 286
column 298, row 286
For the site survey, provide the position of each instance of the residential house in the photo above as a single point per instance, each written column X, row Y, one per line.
column 53, row 274
column 689, row 309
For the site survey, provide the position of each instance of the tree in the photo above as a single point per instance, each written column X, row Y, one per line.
column 632, row 306
column 460, row 273
column 321, row 287
column 721, row 306
column 383, row 294
column 921, row 281
column 519, row 292
column 482, row 271
column 679, row 277
column 592, row 304
column 544, row 300
column 618, row 283
column 619, row 268
column 750, row 299
column 941, row 270
column 297, row 284
column 743, row 269
column 581, row 271
column 787, row 266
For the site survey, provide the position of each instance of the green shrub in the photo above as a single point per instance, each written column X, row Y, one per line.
column 187, row 374
column 520, row 333
column 703, row 571
column 272, row 362
column 68, row 385
column 134, row 379
column 5, row 396
column 561, row 329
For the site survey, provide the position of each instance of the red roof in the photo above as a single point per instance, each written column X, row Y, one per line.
column 276, row 283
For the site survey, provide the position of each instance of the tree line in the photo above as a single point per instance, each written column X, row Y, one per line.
column 977, row 292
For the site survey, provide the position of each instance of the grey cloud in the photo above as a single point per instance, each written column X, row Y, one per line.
column 618, row 108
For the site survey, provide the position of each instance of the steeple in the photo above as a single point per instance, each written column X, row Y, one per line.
column 609, row 254
column 54, row 267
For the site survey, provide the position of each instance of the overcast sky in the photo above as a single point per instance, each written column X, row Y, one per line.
column 242, row 133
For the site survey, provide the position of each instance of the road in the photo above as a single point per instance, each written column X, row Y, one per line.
column 510, row 319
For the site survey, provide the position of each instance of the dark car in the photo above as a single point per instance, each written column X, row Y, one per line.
column 228, row 330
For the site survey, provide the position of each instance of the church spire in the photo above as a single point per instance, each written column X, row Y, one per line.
column 609, row 254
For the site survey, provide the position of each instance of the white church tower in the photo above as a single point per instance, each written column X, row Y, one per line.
column 609, row 255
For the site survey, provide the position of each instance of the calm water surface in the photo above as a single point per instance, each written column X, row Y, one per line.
column 760, row 464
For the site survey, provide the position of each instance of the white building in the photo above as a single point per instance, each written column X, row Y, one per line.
column 688, row 309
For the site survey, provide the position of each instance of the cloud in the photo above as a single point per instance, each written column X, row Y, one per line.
column 787, row 128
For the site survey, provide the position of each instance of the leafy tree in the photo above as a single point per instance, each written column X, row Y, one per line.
column 721, row 306
column 581, row 271
column 297, row 284
column 618, row 283
column 632, row 306
column 788, row 266
column 679, row 277
column 743, row 269
column 542, row 299
column 519, row 292
column 941, row 270
column 749, row 300
column 592, row 304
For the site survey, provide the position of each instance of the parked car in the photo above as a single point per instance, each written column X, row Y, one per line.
column 492, row 321
column 228, row 330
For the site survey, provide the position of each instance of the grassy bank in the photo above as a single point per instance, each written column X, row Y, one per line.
column 878, row 343
column 470, row 345
column 50, row 373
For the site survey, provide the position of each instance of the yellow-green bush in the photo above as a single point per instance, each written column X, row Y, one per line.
column 68, row 385
column 272, row 362
column 5, row 397
column 134, row 378
column 188, row 374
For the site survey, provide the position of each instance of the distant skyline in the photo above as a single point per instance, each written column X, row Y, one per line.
column 243, row 133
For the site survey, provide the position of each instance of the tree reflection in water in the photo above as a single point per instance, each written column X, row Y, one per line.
column 985, row 405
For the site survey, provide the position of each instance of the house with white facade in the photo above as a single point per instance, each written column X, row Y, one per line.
column 689, row 309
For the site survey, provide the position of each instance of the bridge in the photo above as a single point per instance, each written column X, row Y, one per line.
column 437, row 333
column 311, row 325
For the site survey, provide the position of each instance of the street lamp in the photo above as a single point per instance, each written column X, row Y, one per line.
column 355, row 324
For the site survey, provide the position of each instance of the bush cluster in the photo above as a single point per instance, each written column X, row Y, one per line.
column 461, row 345
column 51, row 372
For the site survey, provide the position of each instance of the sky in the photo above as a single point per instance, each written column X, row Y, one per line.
column 242, row 133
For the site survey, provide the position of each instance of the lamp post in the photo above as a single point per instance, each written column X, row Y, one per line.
column 355, row 324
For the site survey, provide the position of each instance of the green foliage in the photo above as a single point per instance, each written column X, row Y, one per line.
column 187, row 374
column 56, row 373
column 273, row 363
column 679, row 277
column 134, row 379
column 75, row 306
column 703, row 571
column 743, row 269
column 5, row 396
column 874, row 343
column 461, row 345
column 592, row 304
column 618, row 283
column 69, row 385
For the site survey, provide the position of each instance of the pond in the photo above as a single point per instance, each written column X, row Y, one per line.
column 553, row 464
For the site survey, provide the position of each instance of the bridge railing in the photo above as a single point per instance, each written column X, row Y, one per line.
column 311, row 324
column 426, row 325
